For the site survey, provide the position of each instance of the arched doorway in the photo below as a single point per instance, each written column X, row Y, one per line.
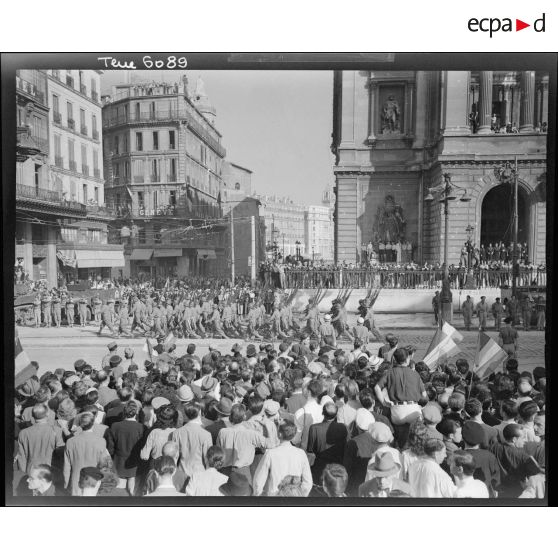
column 497, row 215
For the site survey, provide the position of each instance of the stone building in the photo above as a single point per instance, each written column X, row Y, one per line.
column 318, row 232
column 61, row 229
column 163, row 161
column 396, row 133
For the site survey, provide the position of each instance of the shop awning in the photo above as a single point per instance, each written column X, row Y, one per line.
column 99, row 258
column 67, row 257
column 167, row 252
column 141, row 254
column 207, row 255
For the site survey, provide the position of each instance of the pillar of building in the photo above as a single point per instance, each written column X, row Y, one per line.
column 51, row 263
column 508, row 101
column 28, row 249
column 527, row 102
column 544, row 111
column 183, row 266
column 485, row 102
column 457, row 113
column 373, row 89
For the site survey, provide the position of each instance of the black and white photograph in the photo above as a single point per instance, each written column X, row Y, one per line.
column 307, row 278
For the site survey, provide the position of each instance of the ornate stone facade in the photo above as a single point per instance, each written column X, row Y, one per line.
column 396, row 133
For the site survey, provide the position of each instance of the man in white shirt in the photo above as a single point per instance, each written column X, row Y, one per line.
column 309, row 414
column 280, row 462
column 462, row 467
column 426, row 477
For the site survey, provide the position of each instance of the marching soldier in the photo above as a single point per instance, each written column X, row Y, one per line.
column 369, row 321
column 46, row 305
column 97, row 304
column 215, row 319
column 339, row 321
column 56, row 310
column 540, row 309
column 82, row 308
column 276, row 330
column 37, row 310
column 313, row 318
column 253, row 317
column 482, row 313
column 436, row 306
column 498, row 312
column 327, row 332
column 508, row 338
column 107, row 317
column 124, row 319
column 70, row 316
column 468, row 309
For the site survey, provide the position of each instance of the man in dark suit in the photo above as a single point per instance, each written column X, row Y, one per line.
column 326, row 440
column 40, row 480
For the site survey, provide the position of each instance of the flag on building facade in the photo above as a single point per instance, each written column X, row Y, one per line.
column 441, row 348
column 23, row 368
column 489, row 356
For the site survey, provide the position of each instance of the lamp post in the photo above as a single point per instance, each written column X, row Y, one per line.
column 447, row 190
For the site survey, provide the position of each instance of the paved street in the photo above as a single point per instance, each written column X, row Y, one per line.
column 54, row 348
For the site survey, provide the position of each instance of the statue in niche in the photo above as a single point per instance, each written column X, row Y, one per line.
column 391, row 116
column 390, row 225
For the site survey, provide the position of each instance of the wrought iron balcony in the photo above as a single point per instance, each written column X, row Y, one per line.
column 59, row 161
column 30, row 89
column 57, row 117
column 35, row 194
column 71, row 124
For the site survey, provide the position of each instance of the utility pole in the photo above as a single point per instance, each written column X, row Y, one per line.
column 253, row 266
column 515, row 256
column 232, row 245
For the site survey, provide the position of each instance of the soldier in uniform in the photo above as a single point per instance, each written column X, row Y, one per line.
column 228, row 317
column 482, row 313
column 157, row 316
column 436, row 306
column 96, row 304
column 540, row 309
column 37, row 310
column 508, row 338
column 137, row 313
column 339, row 321
column 70, row 312
column 498, row 312
column 107, row 317
column 123, row 319
column 253, row 317
column 369, row 321
column 512, row 310
column 526, row 310
column 313, row 318
column 46, row 304
column 82, row 307
column 56, row 310
column 276, row 330
column 215, row 320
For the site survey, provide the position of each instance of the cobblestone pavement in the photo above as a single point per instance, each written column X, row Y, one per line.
column 53, row 347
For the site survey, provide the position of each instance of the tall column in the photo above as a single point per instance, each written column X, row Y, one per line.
column 457, row 113
column 373, row 87
column 527, row 102
column 28, row 249
column 51, row 263
column 485, row 102
column 538, row 106
column 544, row 86
column 507, row 99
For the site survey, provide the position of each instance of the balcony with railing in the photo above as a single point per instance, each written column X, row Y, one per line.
column 83, row 130
column 155, row 178
column 95, row 134
column 59, row 161
column 95, row 96
column 30, row 89
column 73, row 166
column 29, row 145
column 85, row 170
column 39, row 195
column 83, row 89
column 71, row 124
column 57, row 117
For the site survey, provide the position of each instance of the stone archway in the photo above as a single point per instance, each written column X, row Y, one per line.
column 497, row 215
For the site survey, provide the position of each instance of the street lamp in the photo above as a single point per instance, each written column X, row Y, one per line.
column 447, row 189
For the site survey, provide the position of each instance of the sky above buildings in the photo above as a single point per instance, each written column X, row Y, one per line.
column 276, row 123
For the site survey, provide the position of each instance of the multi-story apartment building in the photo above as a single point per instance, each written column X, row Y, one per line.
column 318, row 232
column 76, row 174
column 284, row 225
column 163, row 163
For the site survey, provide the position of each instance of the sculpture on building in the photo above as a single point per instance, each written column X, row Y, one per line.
column 390, row 225
column 505, row 172
column 391, row 115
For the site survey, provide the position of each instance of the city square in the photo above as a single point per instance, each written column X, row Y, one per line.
column 354, row 307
